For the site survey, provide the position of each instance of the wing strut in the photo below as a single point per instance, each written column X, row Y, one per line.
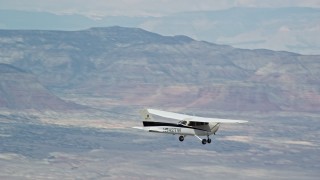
column 198, row 137
column 204, row 141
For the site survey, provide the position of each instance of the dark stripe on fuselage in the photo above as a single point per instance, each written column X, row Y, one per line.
column 153, row 123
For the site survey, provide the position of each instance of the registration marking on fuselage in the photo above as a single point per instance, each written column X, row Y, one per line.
column 172, row 130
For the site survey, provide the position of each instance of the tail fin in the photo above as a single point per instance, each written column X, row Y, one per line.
column 146, row 115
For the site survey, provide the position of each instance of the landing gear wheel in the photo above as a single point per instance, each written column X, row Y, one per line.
column 204, row 141
column 181, row 138
column 209, row 140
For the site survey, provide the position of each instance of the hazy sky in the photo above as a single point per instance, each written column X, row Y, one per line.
column 143, row 7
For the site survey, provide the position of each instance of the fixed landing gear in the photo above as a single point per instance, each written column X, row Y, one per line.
column 181, row 138
column 208, row 140
column 204, row 141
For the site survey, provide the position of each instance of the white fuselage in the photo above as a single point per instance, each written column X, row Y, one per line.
column 170, row 128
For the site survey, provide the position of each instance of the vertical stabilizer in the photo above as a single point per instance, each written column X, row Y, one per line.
column 146, row 115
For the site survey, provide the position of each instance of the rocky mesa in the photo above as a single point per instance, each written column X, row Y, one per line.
column 134, row 67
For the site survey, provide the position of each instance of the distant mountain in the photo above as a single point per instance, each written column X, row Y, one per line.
column 131, row 66
column 13, row 19
column 292, row 29
column 20, row 90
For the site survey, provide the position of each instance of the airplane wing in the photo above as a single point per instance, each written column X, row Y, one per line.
column 184, row 117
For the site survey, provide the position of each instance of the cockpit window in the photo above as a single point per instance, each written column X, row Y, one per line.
column 183, row 122
column 192, row 123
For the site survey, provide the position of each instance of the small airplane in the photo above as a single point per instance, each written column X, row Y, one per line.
column 187, row 125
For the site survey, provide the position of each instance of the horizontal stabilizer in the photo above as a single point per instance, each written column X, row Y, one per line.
column 141, row 128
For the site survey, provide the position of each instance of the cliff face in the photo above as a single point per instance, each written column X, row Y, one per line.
column 20, row 90
column 131, row 66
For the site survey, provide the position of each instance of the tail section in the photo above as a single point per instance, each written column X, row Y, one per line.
column 146, row 115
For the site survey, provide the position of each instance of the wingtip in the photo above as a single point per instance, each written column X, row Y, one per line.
column 243, row 121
